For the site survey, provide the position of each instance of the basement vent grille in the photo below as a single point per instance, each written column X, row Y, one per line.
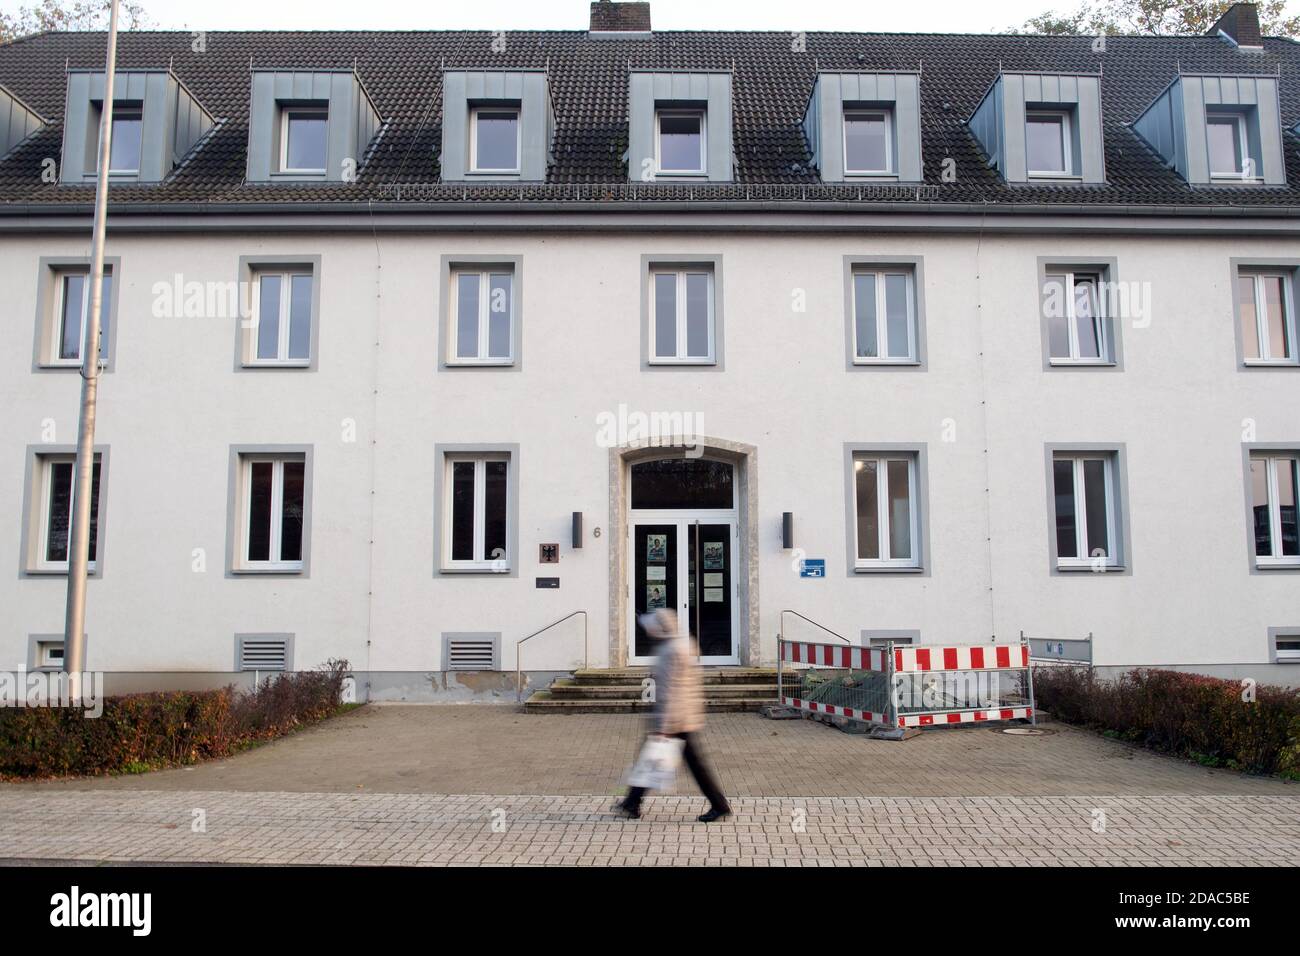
column 1288, row 649
column 471, row 652
column 263, row 654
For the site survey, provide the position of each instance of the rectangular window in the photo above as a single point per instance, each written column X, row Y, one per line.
column 887, row 521
column 1047, row 143
column 1226, row 139
column 303, row 139
column 884, row 316
column 679, row 142
column 1274, row 479
column 476, row 512
column 482, row 316
column 682, row 328
column 1085, row 499
column 57, row 475
column 70, row 321
column 494, row 140
column 1266, row 314
column 49, row 654
column 1074, row 305
column 273, row 491
column 124, row 145
column 282, row 318
column 868, row 142
column 1286, row 648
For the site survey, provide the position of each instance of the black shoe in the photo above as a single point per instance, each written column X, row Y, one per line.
column 628, row 810
column 715, row 813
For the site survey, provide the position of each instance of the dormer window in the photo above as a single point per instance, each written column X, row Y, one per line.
column 494, row 140
column 1047, row 143
column 124, row 146
column 1226, row 136
column 303, row 139
column 680, row 148
column 868, row 142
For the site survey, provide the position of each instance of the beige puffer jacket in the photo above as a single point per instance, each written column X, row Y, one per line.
column 679, row 691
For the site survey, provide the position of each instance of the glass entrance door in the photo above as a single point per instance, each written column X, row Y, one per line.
column 687, row 565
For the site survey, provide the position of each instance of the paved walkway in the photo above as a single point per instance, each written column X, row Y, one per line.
column 487, row 785
column 497, row 750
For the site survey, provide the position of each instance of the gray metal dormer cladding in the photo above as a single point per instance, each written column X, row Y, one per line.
column 1177, row 126
column 1000, row 123
column 469, row 96
column 894, row 97
column 653, row 95
column 170, row 123
column 18, row 121
column 351, row 123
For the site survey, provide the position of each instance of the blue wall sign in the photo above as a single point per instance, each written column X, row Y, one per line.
column 812, row 568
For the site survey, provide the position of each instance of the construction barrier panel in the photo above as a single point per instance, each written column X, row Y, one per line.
column 907, row 685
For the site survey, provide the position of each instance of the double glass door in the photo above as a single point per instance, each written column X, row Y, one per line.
column 687, row 565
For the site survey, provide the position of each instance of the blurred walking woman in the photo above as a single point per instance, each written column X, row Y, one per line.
column 678, row 710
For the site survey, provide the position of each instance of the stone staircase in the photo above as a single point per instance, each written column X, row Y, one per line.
column 618, row 691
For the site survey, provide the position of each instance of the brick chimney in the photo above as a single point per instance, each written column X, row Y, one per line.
column 1240, row 23
column 608, row 17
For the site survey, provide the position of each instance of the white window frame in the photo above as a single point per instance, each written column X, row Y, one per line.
column 882, row 460
column 681, row 357
column 286, row 278
column 273, row 563
column 888, row 117
column 57, row 319
column 1288, row 656
column 1261, row 318
column 480, row 561
column 474, row 167
column 1101, row 320
column 882, row 318
column 703, row 116
column 485, row 274
column 314, row 111
column 45, row 654
column 1276, row 559
column 1215, row 117
column 1083, row 558
column 119, row 113
column 47, row 463
column 1067, row 142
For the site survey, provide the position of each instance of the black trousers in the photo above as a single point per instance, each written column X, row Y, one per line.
column 703, row 774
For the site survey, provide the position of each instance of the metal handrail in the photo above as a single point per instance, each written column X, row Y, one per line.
column 519, row 686
column 812, row 622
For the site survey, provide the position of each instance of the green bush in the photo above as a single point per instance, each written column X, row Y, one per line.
column 1203, row 718
column 139, row 732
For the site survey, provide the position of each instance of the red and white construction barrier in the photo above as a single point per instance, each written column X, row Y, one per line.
column 893, row 660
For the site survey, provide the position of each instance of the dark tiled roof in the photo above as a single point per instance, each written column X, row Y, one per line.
column 771, row 86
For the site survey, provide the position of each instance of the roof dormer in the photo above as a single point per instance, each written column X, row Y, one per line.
column 309, row 126
column 18, row 121
column 497, row 126
column 156, row 122
column 865, row 127
column 1043, row 127
column 1224, row 130
column 679, row 127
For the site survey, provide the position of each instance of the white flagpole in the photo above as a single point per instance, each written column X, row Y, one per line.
column 74, row 633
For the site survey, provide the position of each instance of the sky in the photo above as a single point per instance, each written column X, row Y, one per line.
column 949, row 16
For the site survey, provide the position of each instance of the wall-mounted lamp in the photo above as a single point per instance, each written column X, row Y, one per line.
column 787, row 530
column 577, row 529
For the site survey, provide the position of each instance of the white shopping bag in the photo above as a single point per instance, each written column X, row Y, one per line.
column 656, row 766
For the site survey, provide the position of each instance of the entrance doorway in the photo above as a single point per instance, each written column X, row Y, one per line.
column 683, row 553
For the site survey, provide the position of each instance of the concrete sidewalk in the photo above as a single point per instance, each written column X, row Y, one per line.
column 497, row 750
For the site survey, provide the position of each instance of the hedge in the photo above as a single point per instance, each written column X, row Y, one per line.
column 150, row 731
column 1204, row 718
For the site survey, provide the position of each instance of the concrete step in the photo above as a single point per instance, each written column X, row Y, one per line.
column 709, row 676
column 542, row 703
column 563, row 689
